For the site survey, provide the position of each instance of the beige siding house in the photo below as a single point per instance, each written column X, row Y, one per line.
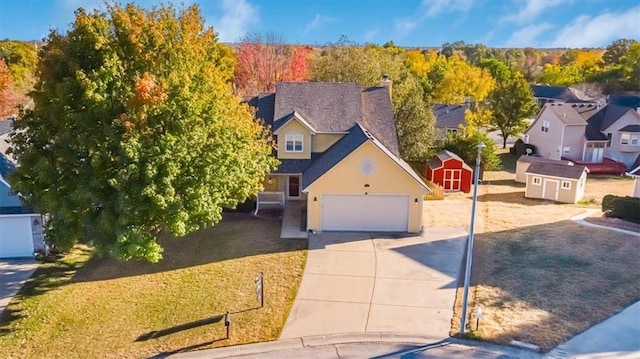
column 586, row 132
column 339, row 158
column 525, row 161
column 556, row 182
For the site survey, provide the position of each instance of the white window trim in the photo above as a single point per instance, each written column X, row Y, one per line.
column 545, row 126
column 537, row 181
column 625, row 138
column 293, row 138
column 566, row 185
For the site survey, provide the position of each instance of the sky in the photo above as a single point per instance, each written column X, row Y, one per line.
column 411, row 23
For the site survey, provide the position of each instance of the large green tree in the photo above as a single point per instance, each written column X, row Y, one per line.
column 136, row 131
column 511, row 102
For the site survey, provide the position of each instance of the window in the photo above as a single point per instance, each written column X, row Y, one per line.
column 566, row 185
column 632, row 139
column 608, row 140
column 566, row 150
column 537, row 181
column 452, row 131
column 545, row 126
column 293, row 142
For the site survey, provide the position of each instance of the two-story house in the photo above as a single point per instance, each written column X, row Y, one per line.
column 586, row 133
column 338, row 149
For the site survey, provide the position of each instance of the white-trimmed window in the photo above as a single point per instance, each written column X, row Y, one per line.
column 566, row 150
column 545, row 126
column 536, row 181
column 566, row 185
column 293, row 142
column 630, row 139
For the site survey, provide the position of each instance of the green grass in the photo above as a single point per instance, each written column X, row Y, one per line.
column 82, row 306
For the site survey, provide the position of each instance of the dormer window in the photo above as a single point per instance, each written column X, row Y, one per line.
column 293, row 142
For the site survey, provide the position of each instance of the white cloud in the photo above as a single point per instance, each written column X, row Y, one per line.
column 429, row 9
column 236, row 19
column 317, row 21
column 532, row 9
column 586, row 31
column 436, row 7
column 528, row 35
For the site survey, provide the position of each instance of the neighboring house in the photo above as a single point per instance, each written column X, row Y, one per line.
column 586, row 133
column 635, row 173
column 556, row 181
column 544, row 94
column 449, row 119
column 338, row 149
column 450, row 171
column 20, row 229
column 525, row 161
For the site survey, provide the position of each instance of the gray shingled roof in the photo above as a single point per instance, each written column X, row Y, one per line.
column 6, row 166
column 602, row 119
column 449, row 116
column 377, row 117
column 328, row 107
column 631, row 128
column 334, row 155
column 444, row 155
column 564, row 94
column 532, row 159
column 556, row 170
column 626, row 100
column 264, row 104
column 296, row 165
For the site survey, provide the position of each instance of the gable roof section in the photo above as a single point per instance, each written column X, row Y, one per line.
column 567, row 114
column 340, row 150
column 295, row 116
column 635, row 172
column 556, row 170
column 602, row 119
column 449, row 116
column 328, row 107
column 565, row 94
column 443, row 156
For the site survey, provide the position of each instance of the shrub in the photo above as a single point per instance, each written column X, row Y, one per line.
column 625, row 208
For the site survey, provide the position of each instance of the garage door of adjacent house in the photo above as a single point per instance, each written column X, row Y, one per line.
column 15, row 237
column 384, row 213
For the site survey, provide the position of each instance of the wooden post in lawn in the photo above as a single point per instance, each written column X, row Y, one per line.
column 227, row 322
column 260, row 288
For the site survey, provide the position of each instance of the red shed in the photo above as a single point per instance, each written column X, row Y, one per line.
column 449, row 170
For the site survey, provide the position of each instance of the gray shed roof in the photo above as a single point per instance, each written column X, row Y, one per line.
column 556, row 170
column 532, row 159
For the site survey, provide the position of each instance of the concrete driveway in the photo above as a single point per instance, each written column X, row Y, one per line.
column 13, row 274
column 372, row 283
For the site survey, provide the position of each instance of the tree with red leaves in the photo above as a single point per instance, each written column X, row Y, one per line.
column 264, row 60
column 8, row 97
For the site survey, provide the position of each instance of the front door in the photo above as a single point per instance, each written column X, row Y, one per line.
column 550, row 189
column 452, row 179
column 294, row 186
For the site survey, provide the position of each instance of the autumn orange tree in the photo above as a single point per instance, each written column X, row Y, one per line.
column 136, row 130
column 8, row 96
column 263, row 60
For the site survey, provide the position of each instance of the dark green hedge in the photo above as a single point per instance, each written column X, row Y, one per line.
column 626, row 208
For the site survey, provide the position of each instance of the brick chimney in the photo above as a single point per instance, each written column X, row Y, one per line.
column 385, row 82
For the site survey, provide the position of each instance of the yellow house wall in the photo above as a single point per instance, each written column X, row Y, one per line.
column 278, row 183
column 346, row 177
column 322, row 141
column 291, row 127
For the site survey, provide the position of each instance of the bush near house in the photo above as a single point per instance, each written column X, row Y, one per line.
column 520, row 148
column 625, row 208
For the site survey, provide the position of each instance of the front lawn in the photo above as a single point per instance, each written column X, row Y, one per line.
column 537, row 276
column 91, row 307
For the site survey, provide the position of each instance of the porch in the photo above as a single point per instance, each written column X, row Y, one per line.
column 294, row 220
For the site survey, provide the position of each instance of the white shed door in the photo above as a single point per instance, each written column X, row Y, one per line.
column 15, row 237
column 365, row 213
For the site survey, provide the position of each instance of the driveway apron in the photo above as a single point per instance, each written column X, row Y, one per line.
column 13, row 274
column 372, row 283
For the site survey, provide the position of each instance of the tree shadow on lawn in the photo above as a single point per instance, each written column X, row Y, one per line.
column 544, row 284
column 48, row 276
column 238, row 235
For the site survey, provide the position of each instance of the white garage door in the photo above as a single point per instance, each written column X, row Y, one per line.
column 15, row 237
column 365, row 213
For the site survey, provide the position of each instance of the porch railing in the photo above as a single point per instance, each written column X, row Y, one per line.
column 269, row 199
